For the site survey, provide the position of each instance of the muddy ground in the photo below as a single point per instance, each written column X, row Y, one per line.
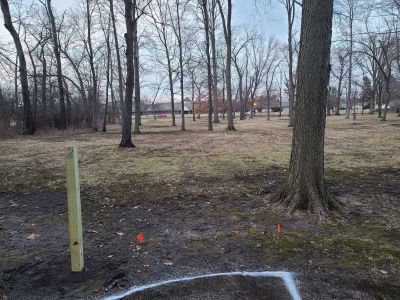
column 202, row 207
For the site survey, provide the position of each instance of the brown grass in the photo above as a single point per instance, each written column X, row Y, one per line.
column 165, row 154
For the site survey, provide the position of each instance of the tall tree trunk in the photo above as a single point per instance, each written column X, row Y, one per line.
column 362, row 105
column 304, row 188
column 15, row 104
column 138, row 113
column 229, row 68
column 120, row 77
column 35, row 88
column 223, row 97
column 115, row 111
column 193, row 95
column 69, row 105
column 43, row 88
column 126, row 140
column 29, row 124
column 241, row 99
column 339, row 96
column 180, row 45
column 380, row 92
column 227, row 24
column 280, row 101
column 290, row 9
column 214, row 61
column 372, row 100
column 104, row 129
column 54, row 35
column 387, row 98
column 354, row 108
column 54, row 118
column 171, row 90
column 328, row 102
column 350, row 66
column 92, row 68
column 268, row 105
column 372, row 103
column 209, row 72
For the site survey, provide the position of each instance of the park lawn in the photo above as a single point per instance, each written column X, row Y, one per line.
column 201, row 200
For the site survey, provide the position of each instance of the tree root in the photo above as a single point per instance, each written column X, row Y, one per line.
column 126, row 144
column 297, row 202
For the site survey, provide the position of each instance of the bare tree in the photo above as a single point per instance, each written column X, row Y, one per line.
column 56, row 47
column 161, row 23
column 382, row 52
column 206, row 22
column 346, row 12
column 213, row 37
column 29, row 125
column 118, row 56
column 290, row 6
column 106, row 32
column 240, row 43
column 180, row 7
column 227, row 25
column 339, row 73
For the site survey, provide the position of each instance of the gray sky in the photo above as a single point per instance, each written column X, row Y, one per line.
column 270, row 20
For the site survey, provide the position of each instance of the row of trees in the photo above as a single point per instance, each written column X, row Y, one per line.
column 365, row 55
column 74, row 59
column 79, row 67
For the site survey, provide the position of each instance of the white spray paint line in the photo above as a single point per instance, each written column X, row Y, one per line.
column 287, row 278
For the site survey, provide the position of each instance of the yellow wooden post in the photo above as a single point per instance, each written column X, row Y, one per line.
column 74, row 210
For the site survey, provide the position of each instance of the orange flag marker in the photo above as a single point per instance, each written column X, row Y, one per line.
column 140, row 237
column 279, row 228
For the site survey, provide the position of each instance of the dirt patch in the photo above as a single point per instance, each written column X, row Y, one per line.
column 237, row 287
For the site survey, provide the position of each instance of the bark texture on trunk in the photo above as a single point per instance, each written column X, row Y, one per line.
column 29, row 125
column 126, row 140
column 304, row 188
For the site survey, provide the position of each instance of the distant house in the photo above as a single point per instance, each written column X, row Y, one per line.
column 166, row 108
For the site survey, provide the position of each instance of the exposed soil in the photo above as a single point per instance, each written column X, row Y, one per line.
column 197, row 220
column 223, row 288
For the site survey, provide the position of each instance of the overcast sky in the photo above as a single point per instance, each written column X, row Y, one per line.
column 271, row 20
